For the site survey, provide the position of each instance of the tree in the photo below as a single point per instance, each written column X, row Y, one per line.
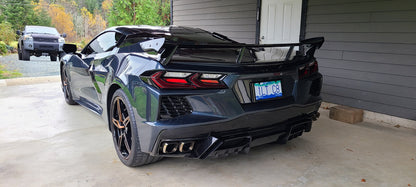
column 139, row 12
column 21, row 12
column 93, row 23
column 106, row 7
column 62, row 21
column 7, row 34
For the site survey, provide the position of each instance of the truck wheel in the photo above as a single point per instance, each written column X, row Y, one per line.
column 19, row 52
column 62, row 54
column 53, row 57
column 25, row 55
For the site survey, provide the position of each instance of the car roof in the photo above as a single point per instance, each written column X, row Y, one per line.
column 159, row 30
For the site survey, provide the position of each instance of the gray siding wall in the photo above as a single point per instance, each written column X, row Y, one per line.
column 233, row 18
column 369, row 57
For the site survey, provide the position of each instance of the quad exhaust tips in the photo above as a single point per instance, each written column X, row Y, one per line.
column 174, row 147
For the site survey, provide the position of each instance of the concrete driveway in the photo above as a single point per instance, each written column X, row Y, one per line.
column 36, row 67
column 45, row 142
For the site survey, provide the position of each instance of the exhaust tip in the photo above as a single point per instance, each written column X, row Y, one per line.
column 186, row 146
column 169, row 148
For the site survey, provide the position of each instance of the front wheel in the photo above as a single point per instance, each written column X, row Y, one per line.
column 53, row 57
column 124, row 130
column 19, row 53
column 61, row 54
column 66, row 88
column 25, row 55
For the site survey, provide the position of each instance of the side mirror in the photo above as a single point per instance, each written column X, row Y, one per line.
column 70, row 48
column 63, row 35
column 18, row 32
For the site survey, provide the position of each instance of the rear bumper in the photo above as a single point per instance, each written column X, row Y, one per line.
column 224, row 137
column 208, row 120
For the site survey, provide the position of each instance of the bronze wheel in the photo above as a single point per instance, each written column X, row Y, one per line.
column 120, row 119
column 125, row 133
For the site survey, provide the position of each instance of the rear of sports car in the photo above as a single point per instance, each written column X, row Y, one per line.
column 206, row 108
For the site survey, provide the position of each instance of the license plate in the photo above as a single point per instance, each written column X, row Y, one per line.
column 268, row 90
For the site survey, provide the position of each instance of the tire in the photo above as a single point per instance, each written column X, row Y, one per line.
column 25, row 55
column 61, row 54
column 53, row 57
column 66, row 88
column 125, row 135
column 19, row 53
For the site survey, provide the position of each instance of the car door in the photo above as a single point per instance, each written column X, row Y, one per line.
column 83, row 78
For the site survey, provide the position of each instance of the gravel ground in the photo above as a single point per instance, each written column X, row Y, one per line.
column 36, row 67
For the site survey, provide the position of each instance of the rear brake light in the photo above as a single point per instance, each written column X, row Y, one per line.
column 181, row 81
column 313, row 67
column 307, row 70
column 206, row 83
column 184, row 80
column 162, row 82
column 210, row 81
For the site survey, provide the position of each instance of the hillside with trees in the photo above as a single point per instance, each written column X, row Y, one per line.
column 80, row 19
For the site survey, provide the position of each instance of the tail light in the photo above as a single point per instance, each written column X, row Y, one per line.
column 186, row 80
column 307, row 70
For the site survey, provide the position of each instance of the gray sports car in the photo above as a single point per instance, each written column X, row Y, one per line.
column 185, row 92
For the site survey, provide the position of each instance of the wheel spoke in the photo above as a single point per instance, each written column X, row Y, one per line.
column 117, row 123
column 120, row 139
column 126, row 143
column 65, row 78
column 120, row 117
column 126, row 121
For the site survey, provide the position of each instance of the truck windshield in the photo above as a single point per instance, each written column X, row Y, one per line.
column 41, row 30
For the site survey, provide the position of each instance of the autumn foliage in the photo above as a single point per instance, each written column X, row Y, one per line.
column 78, row 23
column 83, row 19
column 62, row 21
column 93, row 23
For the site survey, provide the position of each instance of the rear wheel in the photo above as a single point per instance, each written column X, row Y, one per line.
column 124, row 131
column 66, row 88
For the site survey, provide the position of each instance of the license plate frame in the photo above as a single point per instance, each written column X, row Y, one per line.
column 267, row 90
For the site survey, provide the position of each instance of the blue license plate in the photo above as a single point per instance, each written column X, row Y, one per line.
column 268, row 90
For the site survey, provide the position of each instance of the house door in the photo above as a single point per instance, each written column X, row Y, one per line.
column 280, row 21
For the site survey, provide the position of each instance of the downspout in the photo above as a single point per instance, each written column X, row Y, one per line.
column 258, row 13
column 171, row 12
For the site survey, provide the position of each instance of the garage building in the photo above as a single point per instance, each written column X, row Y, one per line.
column 369, row 57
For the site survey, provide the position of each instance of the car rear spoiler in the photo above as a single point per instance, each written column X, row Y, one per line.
column 310, row 44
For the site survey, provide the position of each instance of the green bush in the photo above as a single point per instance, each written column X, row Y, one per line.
column 3, row 48
column 13, row 44
column 7, row 34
